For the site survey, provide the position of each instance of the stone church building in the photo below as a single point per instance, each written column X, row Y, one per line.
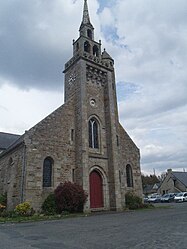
column 82, row 141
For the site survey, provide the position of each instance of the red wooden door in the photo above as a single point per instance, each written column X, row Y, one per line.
column 96, row 190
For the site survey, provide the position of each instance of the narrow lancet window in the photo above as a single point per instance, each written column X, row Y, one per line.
column 47, row 172
column 129, row 176
column 93, row 134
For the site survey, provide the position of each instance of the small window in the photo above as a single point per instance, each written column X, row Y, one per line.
column 77, row 46
column 72, row 134
column 117, row 140
column 93, row 134
column 73, row 175
column 47, row 172
column 87, row 47
column 95, row 50
column 129, row 176
column 89, row 33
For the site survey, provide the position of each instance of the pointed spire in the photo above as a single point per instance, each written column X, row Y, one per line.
column 86, row 17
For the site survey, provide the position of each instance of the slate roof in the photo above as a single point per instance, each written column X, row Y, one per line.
column 6, row 139
column 181, row 176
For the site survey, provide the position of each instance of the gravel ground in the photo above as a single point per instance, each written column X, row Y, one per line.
column 159, row 228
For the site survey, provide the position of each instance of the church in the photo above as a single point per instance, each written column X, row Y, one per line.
column 82, row 141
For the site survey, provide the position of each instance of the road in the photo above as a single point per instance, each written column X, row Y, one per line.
column 146, row 229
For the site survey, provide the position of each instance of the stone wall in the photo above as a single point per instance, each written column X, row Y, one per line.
column 129, row 154
column 50, row 138
column 11, row 175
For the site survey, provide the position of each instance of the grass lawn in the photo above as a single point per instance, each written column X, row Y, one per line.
column 39, row 218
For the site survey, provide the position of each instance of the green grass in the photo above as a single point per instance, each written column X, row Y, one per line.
column 40, row 218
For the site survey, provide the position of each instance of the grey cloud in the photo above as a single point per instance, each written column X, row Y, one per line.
column 33, row 53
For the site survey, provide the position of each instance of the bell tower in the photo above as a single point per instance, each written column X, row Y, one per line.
column 90, row 84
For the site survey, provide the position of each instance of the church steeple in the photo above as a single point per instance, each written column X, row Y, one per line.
column 86, row 17
column 86, row 21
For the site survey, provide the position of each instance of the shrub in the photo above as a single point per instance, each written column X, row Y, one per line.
column 3, row 203
column 9, row 214
column 133, row 201
column 24, row 209
column 49, row 206
column 70, row 197
column 3, row 199
column 2, row 208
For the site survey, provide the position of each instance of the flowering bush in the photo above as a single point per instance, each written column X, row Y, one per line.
column 70, row 197
column 24, row 209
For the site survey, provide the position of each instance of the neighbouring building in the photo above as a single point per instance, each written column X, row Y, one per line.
column 82, row 141
column 6, row 139
column 150, row 188
column 173, row 182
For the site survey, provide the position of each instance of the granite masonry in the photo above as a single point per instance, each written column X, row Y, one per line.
column 82, row 141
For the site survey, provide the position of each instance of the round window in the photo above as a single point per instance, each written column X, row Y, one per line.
column 92, row 102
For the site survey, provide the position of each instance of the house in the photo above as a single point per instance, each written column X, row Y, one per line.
column 150, row 188
column 82, row 141
column 174, row 182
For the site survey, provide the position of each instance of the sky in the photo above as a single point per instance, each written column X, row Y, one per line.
column 146, row 38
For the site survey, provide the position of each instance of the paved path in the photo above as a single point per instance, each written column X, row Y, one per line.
column 150, row 229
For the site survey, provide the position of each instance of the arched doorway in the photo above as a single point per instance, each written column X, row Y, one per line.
column 96, row 190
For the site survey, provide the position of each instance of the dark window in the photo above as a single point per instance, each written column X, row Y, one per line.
column 87, row 47
column 129, row 176
column 47, row 172
column 73, row 175
column 72, row 135
column 117, row 140
column 93, row 133
column 77, row 46
column 95, row 50
column 89, row 33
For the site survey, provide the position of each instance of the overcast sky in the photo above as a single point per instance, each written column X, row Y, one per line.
column 146, row 38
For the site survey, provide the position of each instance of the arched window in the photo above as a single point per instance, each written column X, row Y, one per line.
column 129, row 176
column 89, row 33
column 87, row 47
column 47, row 172
column 93, row 133
column 95, row 50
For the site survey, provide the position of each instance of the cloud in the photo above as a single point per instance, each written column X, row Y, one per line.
column 35, row 41
column 25, row 108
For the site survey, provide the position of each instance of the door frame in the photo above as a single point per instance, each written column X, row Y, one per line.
column 104, row 187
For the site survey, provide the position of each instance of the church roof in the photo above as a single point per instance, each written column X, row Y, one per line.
column 6, row 139
column 106, row 55
column 181, row 176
